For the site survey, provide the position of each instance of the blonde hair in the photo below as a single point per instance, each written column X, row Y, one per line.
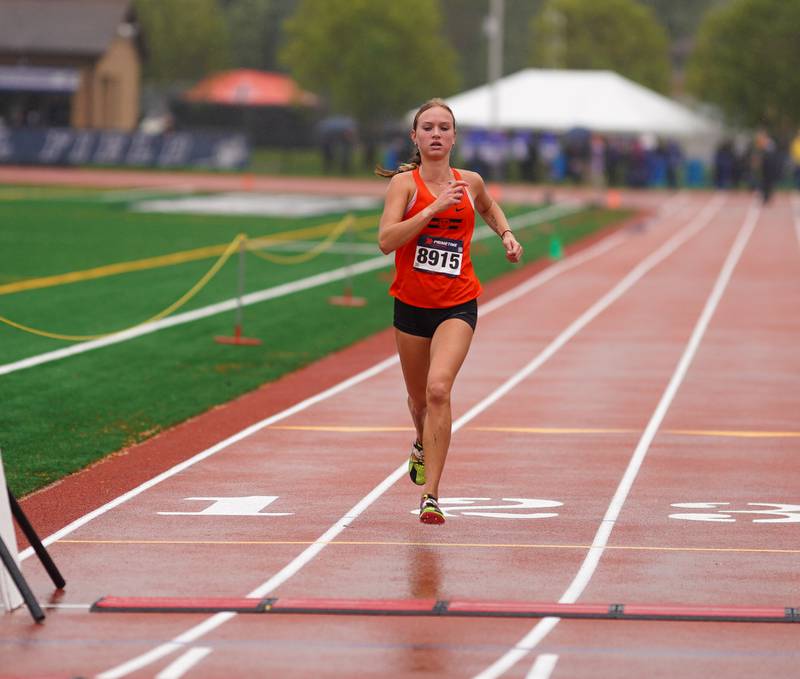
column 416, row 160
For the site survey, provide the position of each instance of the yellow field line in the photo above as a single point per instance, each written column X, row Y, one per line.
column 467, row 545
column 175, row 258
column 553, row 430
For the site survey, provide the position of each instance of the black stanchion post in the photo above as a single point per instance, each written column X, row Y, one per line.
column 36, row 543
column 19, row 580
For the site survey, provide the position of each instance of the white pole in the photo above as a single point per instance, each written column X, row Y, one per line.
column 495, row 32
column 9, row 594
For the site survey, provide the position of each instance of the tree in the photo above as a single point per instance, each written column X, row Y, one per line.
column 372, row 60
column 681, row 17
column 255, row 29
column 619, row 35
column 745, row 61
column 185, row 39
column 464, row 21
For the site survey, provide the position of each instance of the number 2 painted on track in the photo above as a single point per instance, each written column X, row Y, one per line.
column 783, row 513
column 466, row 506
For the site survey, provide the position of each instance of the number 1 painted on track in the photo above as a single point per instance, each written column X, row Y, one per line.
column 250, row 505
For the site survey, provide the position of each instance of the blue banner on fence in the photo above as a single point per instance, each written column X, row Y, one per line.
column 66, row 146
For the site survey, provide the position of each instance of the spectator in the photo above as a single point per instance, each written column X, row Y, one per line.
column 597, row 164
column 765, row 164
column 520, row 147
column 795, row 155
column 674, row 159
column 724, row 165
column 551, row 155
column 615, row 157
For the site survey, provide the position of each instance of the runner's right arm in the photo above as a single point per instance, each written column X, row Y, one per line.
column 394, row 231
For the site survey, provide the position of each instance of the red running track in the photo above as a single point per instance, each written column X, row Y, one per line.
column 625, row 433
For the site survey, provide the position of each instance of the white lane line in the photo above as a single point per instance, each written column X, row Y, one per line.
column 208, row 452
column 795, row 204
column 536, row 281
column 194, row 633
column 543, row 667
column 383, row 261
column 184, row 663
column 589, row 565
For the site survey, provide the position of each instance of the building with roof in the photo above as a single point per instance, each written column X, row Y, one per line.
column 70, row 63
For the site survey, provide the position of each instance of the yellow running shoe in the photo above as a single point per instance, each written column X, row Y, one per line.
column 416, row 464
column 429, row 510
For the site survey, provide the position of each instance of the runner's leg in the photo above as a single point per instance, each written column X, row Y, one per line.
column 448, row 350
column 414, row 354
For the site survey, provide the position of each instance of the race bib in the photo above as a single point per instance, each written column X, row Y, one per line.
column 439, row 255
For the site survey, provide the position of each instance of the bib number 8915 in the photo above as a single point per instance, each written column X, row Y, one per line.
column 439, row 255
column 434, row 259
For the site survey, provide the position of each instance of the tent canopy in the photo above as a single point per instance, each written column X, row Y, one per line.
column 246, row 87
column 559, row 100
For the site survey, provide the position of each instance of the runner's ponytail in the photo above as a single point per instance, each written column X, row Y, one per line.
column 412, row 164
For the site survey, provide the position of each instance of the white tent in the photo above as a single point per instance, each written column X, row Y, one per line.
column 559, row 100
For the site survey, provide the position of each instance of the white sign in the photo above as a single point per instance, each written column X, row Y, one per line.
column 466, row 506
column 250, row 505
column 261, row 204
column 779, row 513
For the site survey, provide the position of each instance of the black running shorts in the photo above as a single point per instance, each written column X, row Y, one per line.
column 423, row 322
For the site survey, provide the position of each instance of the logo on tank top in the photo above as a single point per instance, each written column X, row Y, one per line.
column 445, row 223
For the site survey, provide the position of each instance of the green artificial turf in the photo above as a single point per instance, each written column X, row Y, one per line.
column 61, row 416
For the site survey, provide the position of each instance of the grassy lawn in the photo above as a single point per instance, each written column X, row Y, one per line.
column 61, row 416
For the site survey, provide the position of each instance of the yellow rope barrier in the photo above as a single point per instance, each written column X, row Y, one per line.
column 162, row 314
column 255, row 245
column 207, row 252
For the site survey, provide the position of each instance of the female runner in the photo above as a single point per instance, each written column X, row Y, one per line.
column 428, row 221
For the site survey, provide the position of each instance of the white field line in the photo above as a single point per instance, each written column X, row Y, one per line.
column 589, row 565
column 145, row 192
column 336, row 248
column 536, row 281
column 317, row 280
column 196, row 632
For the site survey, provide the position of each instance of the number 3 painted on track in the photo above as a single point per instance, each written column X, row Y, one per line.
column 465, row 506
column 785, row 513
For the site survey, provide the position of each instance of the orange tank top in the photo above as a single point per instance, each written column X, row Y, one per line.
column 434, row 270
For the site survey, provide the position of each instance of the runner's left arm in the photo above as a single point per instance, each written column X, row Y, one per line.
column 494, row 216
